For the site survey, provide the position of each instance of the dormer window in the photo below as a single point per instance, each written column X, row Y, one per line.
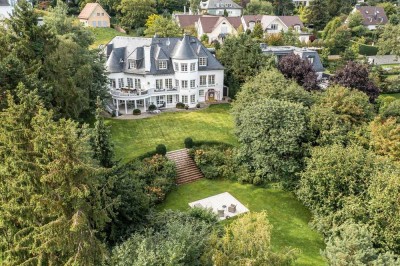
column 162, row 64
column 132, row 64
column 274, row 26
column 203, row 61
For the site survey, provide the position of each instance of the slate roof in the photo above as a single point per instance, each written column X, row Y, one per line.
column 183, row 50
column 122, row 49
column 4, row 3
column 88, row 10
column 373, row 15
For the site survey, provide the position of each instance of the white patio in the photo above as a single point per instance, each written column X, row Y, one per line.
column 224, row 204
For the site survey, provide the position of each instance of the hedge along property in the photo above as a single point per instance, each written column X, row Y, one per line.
column 162, row 71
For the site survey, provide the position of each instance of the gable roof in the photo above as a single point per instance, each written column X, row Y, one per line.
column 187, row 20
column 251, row 18
column 372, row 15
column 208, row 23
column 291, row 21
column 235, row 21
column 89, row 9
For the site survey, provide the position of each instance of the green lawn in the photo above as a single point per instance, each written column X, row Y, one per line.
column 287, row 215
column 104, row 35
column 132, row 138
column 395, row 95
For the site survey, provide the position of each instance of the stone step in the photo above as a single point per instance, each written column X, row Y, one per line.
column 186, row 168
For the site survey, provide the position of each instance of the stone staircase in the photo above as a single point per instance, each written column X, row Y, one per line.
column 186, row 168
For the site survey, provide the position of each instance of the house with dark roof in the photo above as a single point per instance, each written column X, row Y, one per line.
column 276, row 24
column 304, row 53
column 373, row 16
column 6, row 8
column 217, row 28
column 161, row 71
column 94, row 15
column 218, row 7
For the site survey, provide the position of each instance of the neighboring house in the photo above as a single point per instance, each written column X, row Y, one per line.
column 6, row 8
column 218, row 7
column 301, row 2
column 162, row 71
column 93, row 15
column 217, row 28
column 373, row 16
column 304, row 53
column 185, row 21
column 383, row 60
column 276, row 24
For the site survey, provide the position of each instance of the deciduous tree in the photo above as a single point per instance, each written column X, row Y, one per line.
column 162, row 27
column 135, row 12
column 293, row 67
column 356, row 76
column 249, row 238
column 389, row 42
column 318, row 14
column 273, row 151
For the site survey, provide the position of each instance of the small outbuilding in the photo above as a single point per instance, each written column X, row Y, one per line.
column 94, row 15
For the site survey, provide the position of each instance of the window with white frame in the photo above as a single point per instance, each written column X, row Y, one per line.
column 192, row 66
column 184, row 84
column 130, row 82
column 159, row 83
column 211, row 80
column 201, row 93
column 120, row 82
column 311, row 59
column 274, row 26
column 177, row 83
column 138, row 84
column 169, row 98
column 160, row 100
column 132, row 64
column 203, row 80
column 192, row 83
column 162, row 64
column 202, row 61
column 177, row 98
column 176, row 66
column 184, row 67
column 112, row 83
column 168, row 83
column 192, row 98
column 184, row 99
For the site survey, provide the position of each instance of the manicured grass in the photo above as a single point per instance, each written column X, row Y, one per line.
column 395, row 95
column 132, row 138
column 287, row 215
column 104, row 35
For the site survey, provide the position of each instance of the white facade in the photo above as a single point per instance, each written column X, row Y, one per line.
column 218, row 32
column 190, row 80
column 6, row 9
column 218, row 8
column 302, row 2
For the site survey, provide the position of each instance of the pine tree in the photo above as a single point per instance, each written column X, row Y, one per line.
column 103, row 149
column 52, row 207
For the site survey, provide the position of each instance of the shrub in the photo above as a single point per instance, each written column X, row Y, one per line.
column 180, row 105
column 198, row 105
column 161, row 149
column 152, row 107
column 368, row 50
column 186, row 107
column 189, row 143
column 136, row 112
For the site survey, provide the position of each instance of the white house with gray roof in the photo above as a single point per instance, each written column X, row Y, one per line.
column 6, row 8
column 218, row 7
column 162, row 71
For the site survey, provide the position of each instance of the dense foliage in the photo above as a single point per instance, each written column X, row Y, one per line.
column 54, row 58
column 293, row 67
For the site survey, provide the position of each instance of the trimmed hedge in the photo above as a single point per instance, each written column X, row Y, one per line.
column 152, row 107
column 161, row 149
column 189, row 143
column 368, row 50
column 136, row 112
column 180, row 105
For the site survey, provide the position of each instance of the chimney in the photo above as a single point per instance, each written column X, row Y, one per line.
column 147, row 60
